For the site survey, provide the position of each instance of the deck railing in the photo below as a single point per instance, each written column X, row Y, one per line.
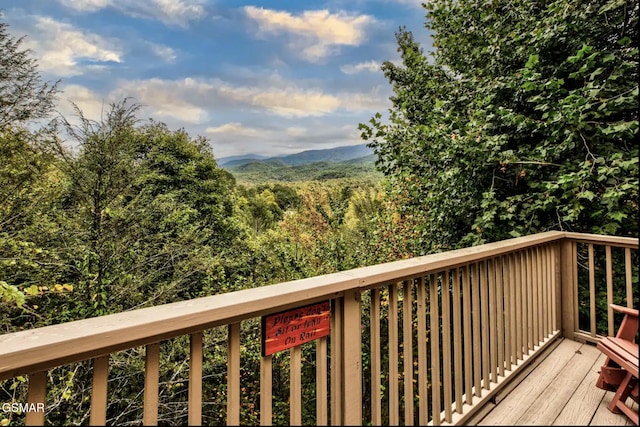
column 426, row 340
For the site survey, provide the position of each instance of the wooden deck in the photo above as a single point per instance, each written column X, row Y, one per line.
column 558, row 389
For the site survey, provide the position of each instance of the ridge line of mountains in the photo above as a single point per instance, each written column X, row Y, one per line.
column 351, row 153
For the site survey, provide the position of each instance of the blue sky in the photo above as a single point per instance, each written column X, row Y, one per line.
column 269, row 77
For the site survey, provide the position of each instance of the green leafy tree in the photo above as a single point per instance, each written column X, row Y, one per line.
column 522, row 119
column 23, row 95
column 28, row 181
column 181, row 216
column 149, row 214
column 29, row 187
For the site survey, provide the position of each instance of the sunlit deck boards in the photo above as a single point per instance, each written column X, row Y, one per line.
column 559, row 391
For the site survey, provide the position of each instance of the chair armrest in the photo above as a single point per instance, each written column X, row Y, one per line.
column 626, row 310
column 629, row 327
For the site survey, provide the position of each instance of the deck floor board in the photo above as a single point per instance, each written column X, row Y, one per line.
column 561, row 390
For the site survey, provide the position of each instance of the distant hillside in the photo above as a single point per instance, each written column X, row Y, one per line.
column 226, row 160
column 259, row 171
column 371, row 158
column 330, row 155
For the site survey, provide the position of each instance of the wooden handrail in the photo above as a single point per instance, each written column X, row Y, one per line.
column 504, row 286
column 43, row 348
column 623, row 242
column 47, row 347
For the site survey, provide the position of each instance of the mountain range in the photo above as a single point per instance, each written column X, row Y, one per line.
column 329, row 155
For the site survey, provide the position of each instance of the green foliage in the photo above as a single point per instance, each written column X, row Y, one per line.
column 23, row 96
column 523, row 120
column 148, row 210
column 11, row 294
column 259, row 172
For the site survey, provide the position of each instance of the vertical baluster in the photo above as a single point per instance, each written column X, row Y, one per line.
column 295, row 389
column 233, row 374
column 477, row 371
column 556, row 285
column 195, row 380
column 484, row 303
column 526, row 328
column 576, row 317
column 541, row 300
column 457, row 338
column 98, row 415
column 542, row 286
column 493, row 362
column 609, row 270
column 376, row 401
column 446, row 344
column 544, row 271
column 521, row 318
column 394, row 398
column 36, row 396
column 468, row 343
column 266, row 379
column 435, row 351
column 628, row 281
column 423, row 417
column 151, row 378
column 592, row 291
column 536, row 312
column 336, row 367
column 550, row 289
column 513, row 322
column 321, row 382
column 500, row 315
column 529, row 282
column 407, row 350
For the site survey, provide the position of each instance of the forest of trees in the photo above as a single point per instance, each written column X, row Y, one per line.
column 524, row 118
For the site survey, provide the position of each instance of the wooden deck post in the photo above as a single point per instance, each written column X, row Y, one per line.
column 98, row 415
column 36, row 396
column 351, row 360
column 568, row 264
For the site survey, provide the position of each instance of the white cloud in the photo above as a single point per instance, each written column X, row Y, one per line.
column 307, row 114
column 235, row 138
column 85, row 5
column 290, row 102
column 165, row 98
column 60, row 47
column 374, row 100
column 371, row 66
column 316, row 34
column 170, row 12
column 414, row 3
column 296, row 131
column 234, row 128
column 166, row 53
column 188, row 99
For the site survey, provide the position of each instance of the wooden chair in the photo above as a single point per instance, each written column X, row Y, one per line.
column 620, row 371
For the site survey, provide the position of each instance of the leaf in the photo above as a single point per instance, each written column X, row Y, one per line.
column 11, row 294
column 32, row 290
column 532, row 61
column 618, row 216
column 587, row 194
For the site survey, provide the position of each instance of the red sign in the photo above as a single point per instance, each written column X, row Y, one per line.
column 290, row 328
